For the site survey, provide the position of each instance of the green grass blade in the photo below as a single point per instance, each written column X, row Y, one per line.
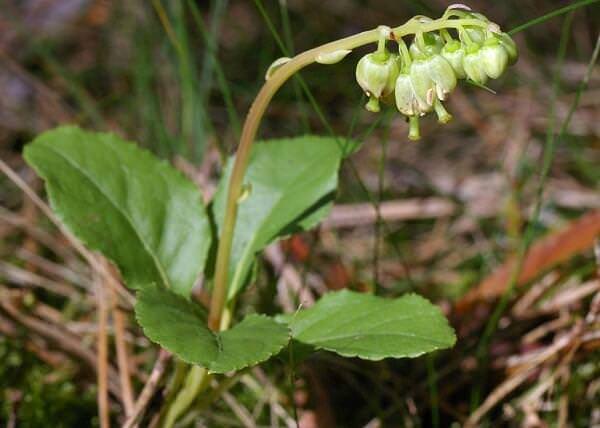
column 551, row 15
column 224, row 87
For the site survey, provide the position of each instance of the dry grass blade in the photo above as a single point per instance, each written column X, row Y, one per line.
column 149, row 389
column 352, row 215
column 28, row 279
column 558, row 247
column 13, row 221
column 571, row 341
column 119, row 323
column 240, row 411
column 102, row 356
column 56, row 270
column 498, row 394
column 568, row 297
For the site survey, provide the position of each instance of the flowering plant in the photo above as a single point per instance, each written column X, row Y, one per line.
column 151, row 222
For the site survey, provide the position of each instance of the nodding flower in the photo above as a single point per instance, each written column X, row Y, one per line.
column 433, row 78
column 419, row 78
column 376, row 75
column 473, row 65
column 376, row 72
column 494, row 58
column 454, row 53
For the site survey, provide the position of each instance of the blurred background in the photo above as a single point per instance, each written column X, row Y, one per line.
column 444, row 217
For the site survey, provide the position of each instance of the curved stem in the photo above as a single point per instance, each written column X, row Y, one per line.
column 250, row 129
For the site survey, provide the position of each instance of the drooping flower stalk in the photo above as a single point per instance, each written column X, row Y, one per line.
column 379, row 81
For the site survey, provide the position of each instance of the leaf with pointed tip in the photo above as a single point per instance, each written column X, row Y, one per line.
column 290, row 184
column 120, row 200
column 179, row 326
column 370, row 327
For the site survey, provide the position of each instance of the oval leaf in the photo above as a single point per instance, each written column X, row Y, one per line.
column 287, row 184
column 179, row 326
column 370, row 327
column 120, row 200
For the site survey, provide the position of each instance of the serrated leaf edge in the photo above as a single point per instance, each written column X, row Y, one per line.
column 264, row 357
column 331, row 295
column 133, row 149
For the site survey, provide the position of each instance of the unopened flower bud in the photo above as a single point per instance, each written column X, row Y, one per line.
column 473, row 65
column 376, row 74
column 454, row 53
column 432, row 78
column 494, row 58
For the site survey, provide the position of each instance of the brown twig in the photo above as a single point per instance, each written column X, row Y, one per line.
column 149, row 389
column 15, row 221
column 53, row 269
column 352, row 215
column 102, row 357
column 119, row 323
column 28, row 279
column 29, row 213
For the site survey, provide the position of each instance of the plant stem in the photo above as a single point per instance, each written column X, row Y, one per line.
column 197, row 380
column 257, row 110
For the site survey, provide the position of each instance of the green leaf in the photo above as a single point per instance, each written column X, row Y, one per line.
column 290, row 184
column 370, row 327
column 179, row 326
column 122, row 201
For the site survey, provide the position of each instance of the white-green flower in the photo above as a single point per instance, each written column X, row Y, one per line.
column 376, row 74
column 432, row 78
column 473, row 65
column 454, row 53
column 494, row 58
column 407, row 101
column 509, row 45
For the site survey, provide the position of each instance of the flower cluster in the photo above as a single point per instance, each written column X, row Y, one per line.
column 421, row 76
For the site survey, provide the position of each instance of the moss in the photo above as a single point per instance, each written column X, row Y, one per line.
column 37, row 395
